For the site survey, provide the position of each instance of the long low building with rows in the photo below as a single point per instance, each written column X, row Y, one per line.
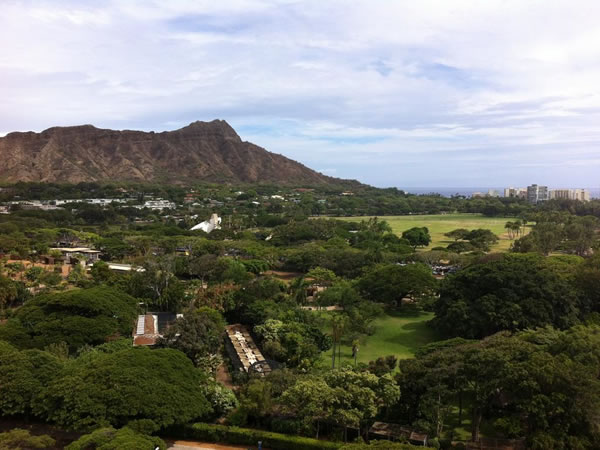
column 243, row 352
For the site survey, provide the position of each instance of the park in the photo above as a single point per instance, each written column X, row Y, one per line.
column 439, row 224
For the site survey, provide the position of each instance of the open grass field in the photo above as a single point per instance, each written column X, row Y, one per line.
column 396, row 334
column 438, row 224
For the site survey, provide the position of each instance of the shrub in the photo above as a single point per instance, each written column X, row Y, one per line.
column 246, row 436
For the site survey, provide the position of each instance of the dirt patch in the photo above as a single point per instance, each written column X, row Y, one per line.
column 224, row 377
column 284, row 276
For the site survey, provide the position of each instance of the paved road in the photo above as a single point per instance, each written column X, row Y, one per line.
column 193, row 445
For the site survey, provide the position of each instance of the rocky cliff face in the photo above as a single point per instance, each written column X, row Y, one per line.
column 202, row 151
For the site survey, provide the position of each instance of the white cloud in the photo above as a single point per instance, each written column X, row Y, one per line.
column 459, row 90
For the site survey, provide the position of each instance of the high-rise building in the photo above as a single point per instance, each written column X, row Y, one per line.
column 536, row 194
column 561, row 194
column 515, row 192
column 582, row 195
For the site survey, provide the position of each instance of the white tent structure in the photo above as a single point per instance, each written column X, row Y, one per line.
column 214, row 223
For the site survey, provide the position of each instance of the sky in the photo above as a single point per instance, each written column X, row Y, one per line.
column 392, row 93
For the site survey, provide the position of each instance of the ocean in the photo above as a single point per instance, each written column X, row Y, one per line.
column 468, row 191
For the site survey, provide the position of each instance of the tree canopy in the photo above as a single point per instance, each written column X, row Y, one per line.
column 198, row 334
column 78, row 317
column 108, row 438
column 512, row 293
column 534, row 384
column 417, row 236
column 161, row 385
column 390, row 283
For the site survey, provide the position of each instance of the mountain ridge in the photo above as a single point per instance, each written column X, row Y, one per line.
column 201, row 151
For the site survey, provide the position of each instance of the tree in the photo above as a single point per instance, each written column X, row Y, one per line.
column 198, row 334
column 513, row 228
column 322, row 276
column 417, row 237
column 77, row 276
column 222, row 399
column 8, row 293
column 383, row 365
column 346, row 397
column 508, row 379
column 161, row 385
column 158, row 284
column 310, row 400
column 101, row 273
column 17, row 383
column 377, row 445
column 78, row 317
column 108, row 438
column 512, row 293
column 23, row 374
column 34, row 275
column 114, row 249
column 481, row 239
column 355, row 349
column 256, row 401
column 458, row 234
column 339, row 323
column 341, row 293
column 390, row 283
column 292, row 342
column 545, row 237
column 375, row 225
column 19, row 439
column 460, row 247
column 581, row 234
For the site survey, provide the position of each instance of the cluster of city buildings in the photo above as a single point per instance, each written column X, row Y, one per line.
column 48, row 205
column 537, row 193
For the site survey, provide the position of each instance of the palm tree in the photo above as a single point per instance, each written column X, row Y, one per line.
column 509, row 227
column 338, row 324
column 355, row 344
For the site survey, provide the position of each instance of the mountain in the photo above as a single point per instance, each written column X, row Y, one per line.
column 202, row 151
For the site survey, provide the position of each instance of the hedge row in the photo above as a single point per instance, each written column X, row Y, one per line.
column 246, row 436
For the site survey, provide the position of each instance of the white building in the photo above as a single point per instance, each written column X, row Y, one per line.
column 159, row 205
column 83, row 255
column 515, row 192
column 214, row 223
column 582, row 195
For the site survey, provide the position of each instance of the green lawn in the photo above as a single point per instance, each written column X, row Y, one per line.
column 395, row 334
column 438, row 224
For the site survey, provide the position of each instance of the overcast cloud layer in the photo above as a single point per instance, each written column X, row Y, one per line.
column 393, row 93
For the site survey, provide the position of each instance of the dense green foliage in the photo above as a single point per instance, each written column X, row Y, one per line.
column 274, row 268
column 23, row 376
column 379, row 445
column 512, row 293
column 123, row 439
column 79, row 317
column 390, row 283
column 247, row 436
column 160, row 385
column 198, row 334
column 417, row 237
column 19, row 439
column 539, row 384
